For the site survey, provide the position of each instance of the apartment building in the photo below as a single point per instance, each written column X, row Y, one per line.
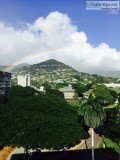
column 5, row 82
column 24, row 80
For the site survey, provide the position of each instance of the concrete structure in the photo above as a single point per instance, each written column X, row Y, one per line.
column 42, row 89
column 24, row 80
column 112, row 85
column 68, row 92
column 5, row 82
column 87, row 93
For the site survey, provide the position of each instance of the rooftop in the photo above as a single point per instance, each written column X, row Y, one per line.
column 66, row 89
column 85, row 154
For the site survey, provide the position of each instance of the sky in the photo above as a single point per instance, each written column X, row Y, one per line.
column 32, row 31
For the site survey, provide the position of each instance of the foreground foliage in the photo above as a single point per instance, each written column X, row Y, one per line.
column 39, row 122
column 110, row 144
column 93, row 115
column 111, row 126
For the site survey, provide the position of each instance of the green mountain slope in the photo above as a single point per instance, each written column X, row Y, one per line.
column 54, row 71
column 47, row 67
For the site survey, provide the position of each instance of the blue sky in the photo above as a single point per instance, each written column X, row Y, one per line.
column 100, row 26
column 90, row 38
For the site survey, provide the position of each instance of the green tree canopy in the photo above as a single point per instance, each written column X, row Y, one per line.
column 3, row 99
column 89, row 85
column 47, row 86
column 61, row 85
column 103, row 95
column 36, row 83
column 55, row 92
column 92, row 113
column 19, row 91
column 80, row 89
column 111, row 126
column 77, row 77
column 40, row 122
column 113, row 94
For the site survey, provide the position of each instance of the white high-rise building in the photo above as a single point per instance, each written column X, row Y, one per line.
column 24, row 80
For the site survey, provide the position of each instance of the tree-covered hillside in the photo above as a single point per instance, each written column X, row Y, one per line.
column 55, row 72
column 45, row 67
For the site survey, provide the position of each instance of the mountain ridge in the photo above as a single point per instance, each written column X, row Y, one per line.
column 53, row 71
column 52, row 65
column 44, row 67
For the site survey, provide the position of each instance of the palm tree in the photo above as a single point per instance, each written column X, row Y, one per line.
column 93, row 115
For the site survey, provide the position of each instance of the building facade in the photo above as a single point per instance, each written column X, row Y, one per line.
column 24, row 80
column 5, row 82
column 68, row 92
column 112, row 85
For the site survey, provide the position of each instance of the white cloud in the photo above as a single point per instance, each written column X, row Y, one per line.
column 55, row 37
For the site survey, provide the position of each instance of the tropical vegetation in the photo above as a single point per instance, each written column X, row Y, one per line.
column 39, row 121
column 93, row 115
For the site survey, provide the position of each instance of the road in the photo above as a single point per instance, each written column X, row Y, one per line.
column 86, row 143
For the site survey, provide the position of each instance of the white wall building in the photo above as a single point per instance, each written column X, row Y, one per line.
column 112, row 85
column 24, row 80
column 68, row 92
column 5, row 82
column 42, row 89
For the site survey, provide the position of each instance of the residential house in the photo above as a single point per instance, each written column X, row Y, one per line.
column 68, row 92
